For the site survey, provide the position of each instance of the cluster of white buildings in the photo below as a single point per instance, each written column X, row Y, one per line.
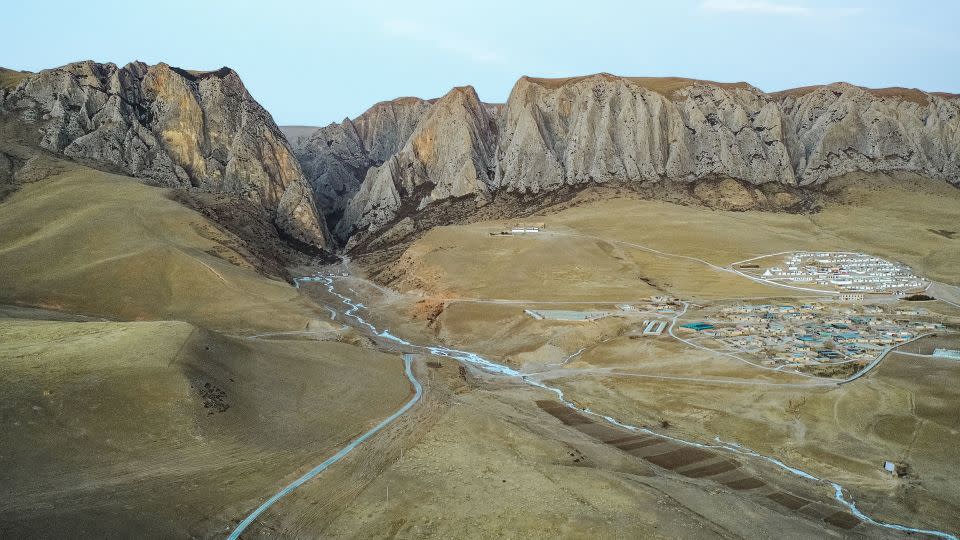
column 810, row 334
column 947, row 353
column 846, row 271
column 527, row 228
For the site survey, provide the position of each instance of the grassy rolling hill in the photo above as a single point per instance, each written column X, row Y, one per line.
column 159, row 416
column 91, row 242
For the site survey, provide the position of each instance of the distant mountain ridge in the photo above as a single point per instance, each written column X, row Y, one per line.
column 336, row 158
column 603, row 128
column 362, row 176
column 176, row 127
column 297, row 136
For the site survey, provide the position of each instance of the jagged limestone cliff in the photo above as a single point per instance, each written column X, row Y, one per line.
column 840, row 128
column 449, row 154
column 603, row 128
column 178, row 128
column 336, row 158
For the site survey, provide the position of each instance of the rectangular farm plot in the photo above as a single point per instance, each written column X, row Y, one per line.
column 686, row 455
column 843, row 520
column 711, row 469
column 749, row 482
column 563, row 413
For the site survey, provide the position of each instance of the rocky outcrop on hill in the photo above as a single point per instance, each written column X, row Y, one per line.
column 556, row 133
column 840, row 128
column 298, row 136
column 175, row 127
column 448, row 155
column 604, row 128
column 336, row 158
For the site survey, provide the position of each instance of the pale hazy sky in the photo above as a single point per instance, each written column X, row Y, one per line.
column 316, row 62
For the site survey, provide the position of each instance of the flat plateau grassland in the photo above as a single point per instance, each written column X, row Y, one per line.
column 585, row 253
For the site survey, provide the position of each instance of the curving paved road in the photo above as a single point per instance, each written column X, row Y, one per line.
column 876, row 361
column 949, row 294
column 418, row 392
column 492, row 367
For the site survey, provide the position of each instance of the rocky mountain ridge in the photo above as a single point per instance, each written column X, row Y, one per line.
column 448, row 155
column 599, row 129
column 203, row 131
column 336, row 158
column 177, row 128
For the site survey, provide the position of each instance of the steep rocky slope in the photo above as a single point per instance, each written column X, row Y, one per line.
column 336, row 158
column 298, row 136
column 604, row 128
column 175, row 127
column 556, row 133
column 449, row 155
column 841, row 128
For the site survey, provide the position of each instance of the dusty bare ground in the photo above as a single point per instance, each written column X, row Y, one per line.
column 485, row 456
column 839, row 433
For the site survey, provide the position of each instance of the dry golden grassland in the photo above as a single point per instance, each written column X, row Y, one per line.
column 584, row 254
column 168, row 429
column 160, row 417
column 10, row 78
column 90, row 242
column 843, row 433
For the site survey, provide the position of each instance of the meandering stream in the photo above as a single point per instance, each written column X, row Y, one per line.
column 353, row 307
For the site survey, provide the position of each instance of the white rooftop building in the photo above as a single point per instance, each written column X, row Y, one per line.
column 854, row 272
